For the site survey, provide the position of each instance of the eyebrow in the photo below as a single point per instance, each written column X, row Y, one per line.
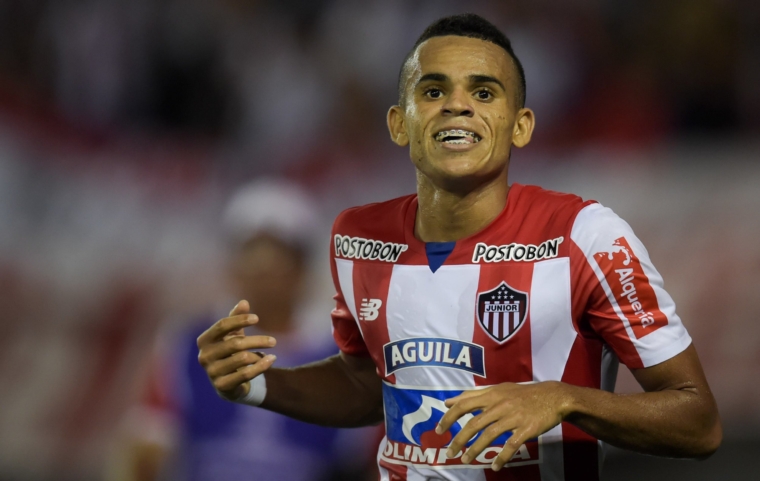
column 435, row 77
column 476, row 79
column 486, row 79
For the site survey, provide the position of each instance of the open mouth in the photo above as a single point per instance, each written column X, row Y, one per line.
column 457, row 137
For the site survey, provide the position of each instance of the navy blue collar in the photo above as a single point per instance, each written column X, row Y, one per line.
column 437, row 253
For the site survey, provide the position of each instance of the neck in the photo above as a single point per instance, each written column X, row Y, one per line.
column 445, row 215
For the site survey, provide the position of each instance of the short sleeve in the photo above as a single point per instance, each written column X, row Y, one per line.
column 345, row 329
column 626, row 304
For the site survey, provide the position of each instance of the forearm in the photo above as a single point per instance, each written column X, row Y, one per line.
column 672, row 422
column 330, row 392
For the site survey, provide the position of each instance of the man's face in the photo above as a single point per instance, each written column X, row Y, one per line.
column 460, row 116
column 267, row 272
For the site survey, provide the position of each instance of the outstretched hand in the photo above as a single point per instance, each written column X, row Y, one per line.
column 527, row 410
column 224, row 352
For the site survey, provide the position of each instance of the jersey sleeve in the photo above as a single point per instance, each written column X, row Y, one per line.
column 345, row 329
column 626, row 303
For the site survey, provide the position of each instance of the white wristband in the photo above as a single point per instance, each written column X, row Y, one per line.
column 256, row 393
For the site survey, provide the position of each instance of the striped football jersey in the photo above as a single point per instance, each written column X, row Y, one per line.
column 554, row 288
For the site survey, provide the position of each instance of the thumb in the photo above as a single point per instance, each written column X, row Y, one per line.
column 241, row 307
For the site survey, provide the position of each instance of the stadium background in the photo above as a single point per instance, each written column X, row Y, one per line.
column 124, row 124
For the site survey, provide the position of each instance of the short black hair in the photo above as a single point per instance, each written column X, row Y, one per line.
column 472, row 26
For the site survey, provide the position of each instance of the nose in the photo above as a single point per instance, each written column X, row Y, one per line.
column 457, row 104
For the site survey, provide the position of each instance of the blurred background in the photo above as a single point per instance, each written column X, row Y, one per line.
column 125, row 125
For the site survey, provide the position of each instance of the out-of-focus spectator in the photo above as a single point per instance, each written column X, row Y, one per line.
column 182, row 430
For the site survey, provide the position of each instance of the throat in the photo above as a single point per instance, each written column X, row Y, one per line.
column 446, row 217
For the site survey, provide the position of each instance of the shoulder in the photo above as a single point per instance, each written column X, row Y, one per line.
column 536, row 200
column 543, row 214
column 378, row 220
column 609, row 243
column 597, row 225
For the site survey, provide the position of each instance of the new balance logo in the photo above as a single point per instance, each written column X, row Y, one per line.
column 370, row 309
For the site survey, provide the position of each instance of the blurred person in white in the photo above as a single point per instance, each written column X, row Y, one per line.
column 181, row 429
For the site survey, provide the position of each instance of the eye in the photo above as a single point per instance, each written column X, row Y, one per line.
column 483, row 94
column 433, row 93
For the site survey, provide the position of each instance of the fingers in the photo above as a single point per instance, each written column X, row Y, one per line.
column 228, row 365
column 223, row 327
column 482, row 422
column 518, row 438
column 231, row 381
column 224, row 352
column 241, row 307
column 223, row 349
column 465, row 395
column 465, row 404
column 487, row 437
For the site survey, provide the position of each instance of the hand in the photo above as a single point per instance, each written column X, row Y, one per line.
column 527, row 410
column 224, row 353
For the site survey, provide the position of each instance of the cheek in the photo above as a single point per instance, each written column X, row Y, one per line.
column 501, row 131
column 418, row 147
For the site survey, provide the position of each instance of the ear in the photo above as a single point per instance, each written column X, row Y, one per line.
column 396, row 126
column 523, row 130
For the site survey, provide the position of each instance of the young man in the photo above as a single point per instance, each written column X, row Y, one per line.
column 484, row 321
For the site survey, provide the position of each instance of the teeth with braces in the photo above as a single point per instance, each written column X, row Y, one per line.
column 457, row 133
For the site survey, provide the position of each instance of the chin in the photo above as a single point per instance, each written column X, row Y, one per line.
column 457, row 173
column 460, row 164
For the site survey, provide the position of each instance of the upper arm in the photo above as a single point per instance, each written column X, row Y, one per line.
column 362, row 370
column 624, row 298
column 682, row 372
column 363, row 373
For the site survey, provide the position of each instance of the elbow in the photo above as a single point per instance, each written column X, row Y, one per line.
column 710, row 442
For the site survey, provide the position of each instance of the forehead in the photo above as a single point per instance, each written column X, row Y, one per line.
column 459, row 57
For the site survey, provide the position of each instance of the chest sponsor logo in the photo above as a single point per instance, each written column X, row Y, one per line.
column 369, row 249
column 434, row 352
column 502, row 311
column 411, row 416
column 630, row 286
column 516, row 252
column 369, row 309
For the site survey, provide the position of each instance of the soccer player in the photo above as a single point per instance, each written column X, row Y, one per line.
column 484, row 321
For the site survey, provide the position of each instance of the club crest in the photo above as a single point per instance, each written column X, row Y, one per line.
column 502, row 311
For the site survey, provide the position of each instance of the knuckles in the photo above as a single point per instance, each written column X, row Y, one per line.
column 515, row 441
column 244, row 357
column 202, row 359
column 248, row 357
column 493, row 430
column 226, row 324
column 532, row 428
